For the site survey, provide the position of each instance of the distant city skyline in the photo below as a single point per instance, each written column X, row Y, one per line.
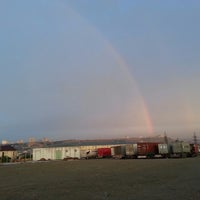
column 99, row 69
column 32, row 141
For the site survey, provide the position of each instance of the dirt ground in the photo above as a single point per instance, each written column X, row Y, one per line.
column 156, row 179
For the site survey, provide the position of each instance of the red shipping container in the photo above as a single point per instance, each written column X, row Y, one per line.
column 104, row 152
column 147, row 149
column 194, row 149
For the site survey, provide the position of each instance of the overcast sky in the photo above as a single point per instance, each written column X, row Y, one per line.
column 99, row 69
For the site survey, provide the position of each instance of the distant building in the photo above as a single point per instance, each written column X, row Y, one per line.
column 4, row 142
column 31, row 141
column 45, row 139
column 8, row 151
column 20, row 141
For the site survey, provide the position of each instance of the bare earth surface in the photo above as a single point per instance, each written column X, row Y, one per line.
column 162, row 179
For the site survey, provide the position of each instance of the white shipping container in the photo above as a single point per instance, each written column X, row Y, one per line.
column 43, row 153
column 186, row 147
column 176, row 147
column 72, row 152
column 56, row 153
column 163, row 149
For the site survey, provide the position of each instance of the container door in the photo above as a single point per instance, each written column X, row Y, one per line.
column 58, row 154
column 37, row 155
column 75, row 153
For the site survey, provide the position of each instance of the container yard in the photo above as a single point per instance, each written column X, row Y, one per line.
column 139, row 150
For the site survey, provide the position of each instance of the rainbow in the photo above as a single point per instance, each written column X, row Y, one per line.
column 124, row 67
column 120, row 63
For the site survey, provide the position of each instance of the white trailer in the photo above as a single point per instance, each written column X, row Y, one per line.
column 71, row 152
column 163, row 150
column 43, row 153
column 56, row 153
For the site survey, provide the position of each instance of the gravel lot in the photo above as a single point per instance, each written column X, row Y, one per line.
column 156, row 179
